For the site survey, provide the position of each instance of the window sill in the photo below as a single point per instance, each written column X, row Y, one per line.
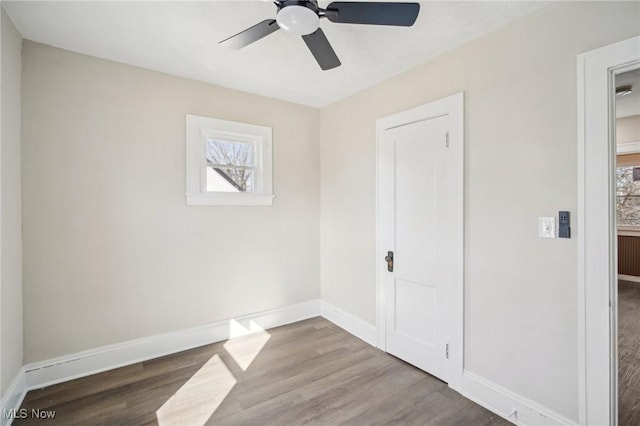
column 232, row 199
column 629, row 231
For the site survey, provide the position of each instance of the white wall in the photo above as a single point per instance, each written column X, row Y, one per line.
column 520, row 163
column 10, row 202
column 628, row 129
column 111, row 251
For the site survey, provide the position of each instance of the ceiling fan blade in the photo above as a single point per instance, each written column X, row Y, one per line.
column 373, row 13
column 250, row 35
column 321, row 49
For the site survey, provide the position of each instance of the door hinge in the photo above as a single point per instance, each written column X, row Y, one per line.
column 446, row 350
column 447, row 139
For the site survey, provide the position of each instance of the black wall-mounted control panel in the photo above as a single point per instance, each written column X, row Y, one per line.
column 564, row 230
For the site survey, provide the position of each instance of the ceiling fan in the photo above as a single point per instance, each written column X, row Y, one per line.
column 303, row 18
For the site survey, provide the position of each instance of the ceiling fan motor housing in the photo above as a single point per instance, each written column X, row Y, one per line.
column 298, row 17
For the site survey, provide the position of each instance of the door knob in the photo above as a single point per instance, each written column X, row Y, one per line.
column 389, row 259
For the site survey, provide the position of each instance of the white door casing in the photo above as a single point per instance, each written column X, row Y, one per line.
column 420, row 218
column 596, row 234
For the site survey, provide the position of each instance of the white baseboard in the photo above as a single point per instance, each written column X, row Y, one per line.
column 81, row 364
column 507, row 404
column 13, row 397
column 629, row 278
column 495, row 398
column 348, row 322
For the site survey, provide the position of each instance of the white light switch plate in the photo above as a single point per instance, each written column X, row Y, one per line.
column 547, row 227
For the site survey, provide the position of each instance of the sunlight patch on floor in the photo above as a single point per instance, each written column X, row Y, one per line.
column 199, row 397
column 245, row 342
column 196, row 401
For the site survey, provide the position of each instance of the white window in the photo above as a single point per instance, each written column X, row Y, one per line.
column 628, row 195
column 228, row 163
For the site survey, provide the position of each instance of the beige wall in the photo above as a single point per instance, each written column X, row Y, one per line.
column 10, row 202
column 520, row 93
column 111, row 251
column 628, row 129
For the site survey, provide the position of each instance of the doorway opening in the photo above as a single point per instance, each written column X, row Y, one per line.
column 627, row 203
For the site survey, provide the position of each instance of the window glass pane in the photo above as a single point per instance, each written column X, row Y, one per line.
column 628, row 195
column 230, row 180
column 230, row 153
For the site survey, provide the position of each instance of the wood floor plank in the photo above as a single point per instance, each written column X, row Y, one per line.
column 628, row 353
column 314, row 369
column 307, row 372
column 403, row 407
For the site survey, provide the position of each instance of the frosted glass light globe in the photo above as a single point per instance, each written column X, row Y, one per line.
column 298, row 20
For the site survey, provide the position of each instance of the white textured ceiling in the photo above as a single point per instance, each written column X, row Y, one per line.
column 181, row 38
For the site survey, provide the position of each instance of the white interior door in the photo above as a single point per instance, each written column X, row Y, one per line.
column 417, row 213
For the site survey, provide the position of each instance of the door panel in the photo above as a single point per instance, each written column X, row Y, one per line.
column 416, row 320
column 413, row 209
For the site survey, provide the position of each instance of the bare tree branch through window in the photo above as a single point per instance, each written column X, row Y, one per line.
column 233, row 161
column 627, row 197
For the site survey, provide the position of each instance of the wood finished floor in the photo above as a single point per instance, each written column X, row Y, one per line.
column 628, row 353
column 306, row 372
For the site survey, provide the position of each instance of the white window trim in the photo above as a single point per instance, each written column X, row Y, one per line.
column 198, row 129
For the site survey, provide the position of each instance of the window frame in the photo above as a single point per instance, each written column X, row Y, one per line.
column 625, row 149
column 620, row 223
column 198, row 130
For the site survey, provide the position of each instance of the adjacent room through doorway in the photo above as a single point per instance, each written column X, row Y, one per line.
column 628, row 238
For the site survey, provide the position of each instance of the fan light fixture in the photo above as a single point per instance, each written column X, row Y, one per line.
column 623, row 90
column 298, row 20
column 302, row 18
